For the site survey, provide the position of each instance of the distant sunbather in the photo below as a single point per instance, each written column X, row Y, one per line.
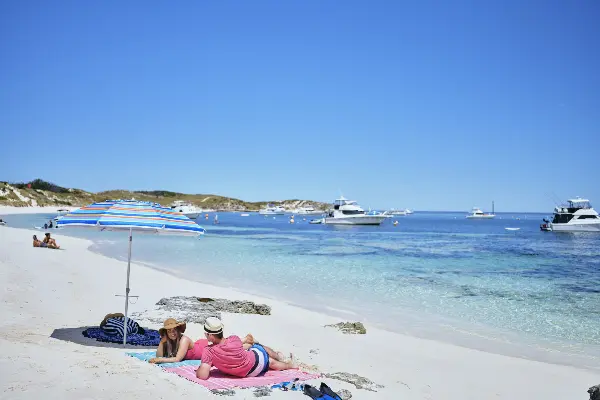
column 38, row 243
column 231, row 357
column 50, row 243
column 175, row 346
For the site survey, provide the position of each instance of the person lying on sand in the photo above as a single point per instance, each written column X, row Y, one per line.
column 38, row 243
column 174, row 346
column 51, row 243
column 230, row 356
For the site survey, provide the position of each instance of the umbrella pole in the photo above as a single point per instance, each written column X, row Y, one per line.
column 127, row 287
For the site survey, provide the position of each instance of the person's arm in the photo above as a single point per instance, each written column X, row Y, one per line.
column 160, row 349
column 203, row 372
column 184, row 345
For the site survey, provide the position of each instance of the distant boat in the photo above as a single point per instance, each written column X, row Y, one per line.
column 476, row 213
column 187, row 209
column 272, row 210
column 512, row 229
column 348, row 212
column 244, row 215
column 309, row 210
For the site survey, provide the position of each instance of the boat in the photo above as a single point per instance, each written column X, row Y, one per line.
column 186, row 208
column 512, row 229
column 272, row 210
column 316, row 221
column 348, row 212
column 577, row 216
column 408, row 212
column 476, row 213
column 400, row 213
column 308, row 210
column 545, row 227
column 244, row 215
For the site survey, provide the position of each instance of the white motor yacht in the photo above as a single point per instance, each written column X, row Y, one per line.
column 348, row 212
column 308, row 210
column 187, row 209
column 476, row 213
column 577, row 216
column 272, row 210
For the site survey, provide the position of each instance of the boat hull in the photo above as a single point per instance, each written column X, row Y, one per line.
column 575, row 227
column 192, row 215
column 362, row 220
column 271, row 213
column 480, row 216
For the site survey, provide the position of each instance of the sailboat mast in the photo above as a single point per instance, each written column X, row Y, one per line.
column 493, row 207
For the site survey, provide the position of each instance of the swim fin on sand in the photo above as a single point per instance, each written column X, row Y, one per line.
column 324, row 393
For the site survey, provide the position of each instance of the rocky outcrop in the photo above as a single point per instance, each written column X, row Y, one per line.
column 350, row 328
column 197, row 309
column 358, row 381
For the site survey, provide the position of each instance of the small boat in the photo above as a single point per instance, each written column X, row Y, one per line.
column 512, row 229
column 187, row 209
column 244, row 215
column 316, row 221
column 476, row 213
column 272, row 210
column 2, row 223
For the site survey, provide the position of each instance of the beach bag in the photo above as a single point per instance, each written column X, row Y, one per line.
column 115, row 326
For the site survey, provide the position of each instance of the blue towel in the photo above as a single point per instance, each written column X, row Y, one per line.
column 151, row 354
column 149, row 338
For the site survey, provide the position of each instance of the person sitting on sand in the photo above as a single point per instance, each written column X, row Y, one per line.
column 50, row 243
column 38, row 243
column 230, row 356
column 174, row 346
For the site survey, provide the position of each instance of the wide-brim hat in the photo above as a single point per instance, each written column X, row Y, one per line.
column 170, row 324
column 213, row 325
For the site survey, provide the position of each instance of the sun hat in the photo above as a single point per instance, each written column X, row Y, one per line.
column 170, row 324
column 112, row 315
column 213, row 325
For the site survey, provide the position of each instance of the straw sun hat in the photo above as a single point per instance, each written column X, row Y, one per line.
column 170, row 324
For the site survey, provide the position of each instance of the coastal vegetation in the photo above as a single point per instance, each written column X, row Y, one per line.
column 42, row 193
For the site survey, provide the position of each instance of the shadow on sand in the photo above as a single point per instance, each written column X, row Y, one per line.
column 75, row 335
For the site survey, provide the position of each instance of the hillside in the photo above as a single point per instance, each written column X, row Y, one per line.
column 42, row 193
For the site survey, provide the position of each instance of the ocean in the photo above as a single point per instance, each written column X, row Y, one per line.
column 435, row 275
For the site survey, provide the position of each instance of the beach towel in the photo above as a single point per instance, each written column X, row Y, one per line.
column 218, row 380
column 145, row 356
column 149, row 338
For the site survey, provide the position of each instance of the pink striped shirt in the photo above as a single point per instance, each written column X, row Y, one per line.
column 229, row 357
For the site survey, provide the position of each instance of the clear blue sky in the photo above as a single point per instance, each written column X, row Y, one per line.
column 428, row 105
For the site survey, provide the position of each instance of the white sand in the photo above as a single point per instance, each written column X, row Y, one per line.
column 46, row 290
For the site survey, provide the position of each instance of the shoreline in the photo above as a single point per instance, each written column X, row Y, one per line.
column 47, row 291
column 434, row 327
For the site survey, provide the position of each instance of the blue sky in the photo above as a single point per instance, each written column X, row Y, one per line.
column 429, row 105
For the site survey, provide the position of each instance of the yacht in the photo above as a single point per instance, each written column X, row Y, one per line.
column 272, row 210
column 398, row 212
column 348, row 212
column 187, row 209
column 408, row 212
column 476, row 213
column 577, row 216
column 308, row 210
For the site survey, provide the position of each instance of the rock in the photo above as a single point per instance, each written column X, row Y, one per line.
column 344, row 394
column 356, row 328
column 223, row 392
column 197, row 309
column 262, row 391
column 594, row 392
column 358, row 381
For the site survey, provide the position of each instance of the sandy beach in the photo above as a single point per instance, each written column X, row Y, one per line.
column 49, row 297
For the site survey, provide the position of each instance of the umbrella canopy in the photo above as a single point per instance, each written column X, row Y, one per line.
column 139, row 216
column 132, row 215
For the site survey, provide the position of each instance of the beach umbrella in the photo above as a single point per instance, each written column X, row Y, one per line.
column 130, row 215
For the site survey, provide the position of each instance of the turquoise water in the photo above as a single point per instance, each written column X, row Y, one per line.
column 436, row 275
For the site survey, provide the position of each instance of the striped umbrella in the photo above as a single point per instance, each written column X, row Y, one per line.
column 132, row 215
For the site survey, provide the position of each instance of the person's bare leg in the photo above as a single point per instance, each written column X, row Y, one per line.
column 280, row 365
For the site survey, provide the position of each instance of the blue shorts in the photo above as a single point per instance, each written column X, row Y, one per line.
column 261, row 363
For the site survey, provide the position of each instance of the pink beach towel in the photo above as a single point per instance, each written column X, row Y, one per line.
column 219, row 380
